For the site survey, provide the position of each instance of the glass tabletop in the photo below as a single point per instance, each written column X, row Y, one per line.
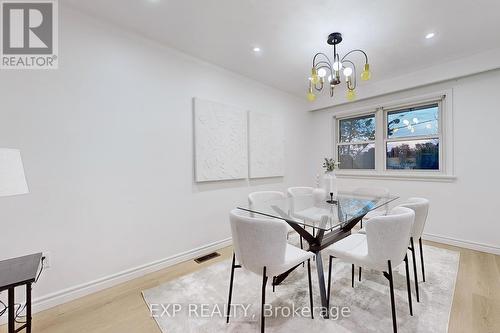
column 310, row 211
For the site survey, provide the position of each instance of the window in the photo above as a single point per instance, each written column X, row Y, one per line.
column 412, row 138
column 407, row 140
column 356, row 142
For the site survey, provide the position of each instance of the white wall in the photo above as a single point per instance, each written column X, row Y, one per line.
column 107, row 146
column 463, row 212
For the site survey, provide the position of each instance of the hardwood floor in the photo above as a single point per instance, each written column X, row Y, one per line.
column 476, row 303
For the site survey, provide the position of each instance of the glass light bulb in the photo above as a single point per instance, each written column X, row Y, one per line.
column 406, row 122
column 351, row 95
column 366, row 74
column 311, row 97
column 348, row 71
column 314, row 76
column 336, row 78
column 322, row 72
column 337, row 66
column 415, row 120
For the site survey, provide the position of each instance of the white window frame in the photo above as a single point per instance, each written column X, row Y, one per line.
column 445, row 135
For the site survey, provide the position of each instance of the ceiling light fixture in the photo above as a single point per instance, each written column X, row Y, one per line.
column 430, row 35
column 323, row 65
column 256, row 49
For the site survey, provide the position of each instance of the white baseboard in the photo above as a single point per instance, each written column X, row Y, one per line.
column 462, row 243
column 72, row 293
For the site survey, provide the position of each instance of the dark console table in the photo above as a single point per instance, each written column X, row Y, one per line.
column 17, row 272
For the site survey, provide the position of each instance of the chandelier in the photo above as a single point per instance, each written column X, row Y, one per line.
column 327, row 73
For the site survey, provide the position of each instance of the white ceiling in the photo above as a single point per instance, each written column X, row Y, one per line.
column 289, row 32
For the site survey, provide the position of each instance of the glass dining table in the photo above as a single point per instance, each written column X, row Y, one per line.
column 330, row 220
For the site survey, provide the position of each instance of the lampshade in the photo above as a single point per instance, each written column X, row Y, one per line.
column 12, row 180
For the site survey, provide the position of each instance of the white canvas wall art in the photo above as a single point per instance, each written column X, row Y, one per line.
column 220, row 137
column 266, row 145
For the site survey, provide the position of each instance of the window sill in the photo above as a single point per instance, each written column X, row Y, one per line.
column 397, row 176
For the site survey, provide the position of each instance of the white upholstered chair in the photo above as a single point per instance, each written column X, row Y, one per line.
column 421, row 208
column 382, row 248
column 310, row 214
column 263, row 197
column 260, row 247
column 300, row 190
column 373, row 192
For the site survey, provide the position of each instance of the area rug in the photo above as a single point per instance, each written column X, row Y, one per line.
column 197, row 302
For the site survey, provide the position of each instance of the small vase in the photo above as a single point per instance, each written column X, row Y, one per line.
column 330, row 184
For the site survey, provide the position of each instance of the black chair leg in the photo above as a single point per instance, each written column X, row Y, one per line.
column 422, row 257
column 264, row 282
column 359, row 278
column 393, row 305
column 310, row 287
column 414, row 268
column 329, row 282
column 408, row 288
column 230, row 289
column 352, row 269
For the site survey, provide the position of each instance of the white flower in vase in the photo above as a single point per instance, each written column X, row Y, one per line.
column 330, row 179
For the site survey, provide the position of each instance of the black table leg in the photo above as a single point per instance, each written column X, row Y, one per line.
column 11, row 316
column 28, row 308
column 317, row 243
column 280, row 278
column 321, row 282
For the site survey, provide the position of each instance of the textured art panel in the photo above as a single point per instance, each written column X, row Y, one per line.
column 220, row 138
column 266, row 145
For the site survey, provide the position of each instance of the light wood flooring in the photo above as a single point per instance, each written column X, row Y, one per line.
column 121, row 309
